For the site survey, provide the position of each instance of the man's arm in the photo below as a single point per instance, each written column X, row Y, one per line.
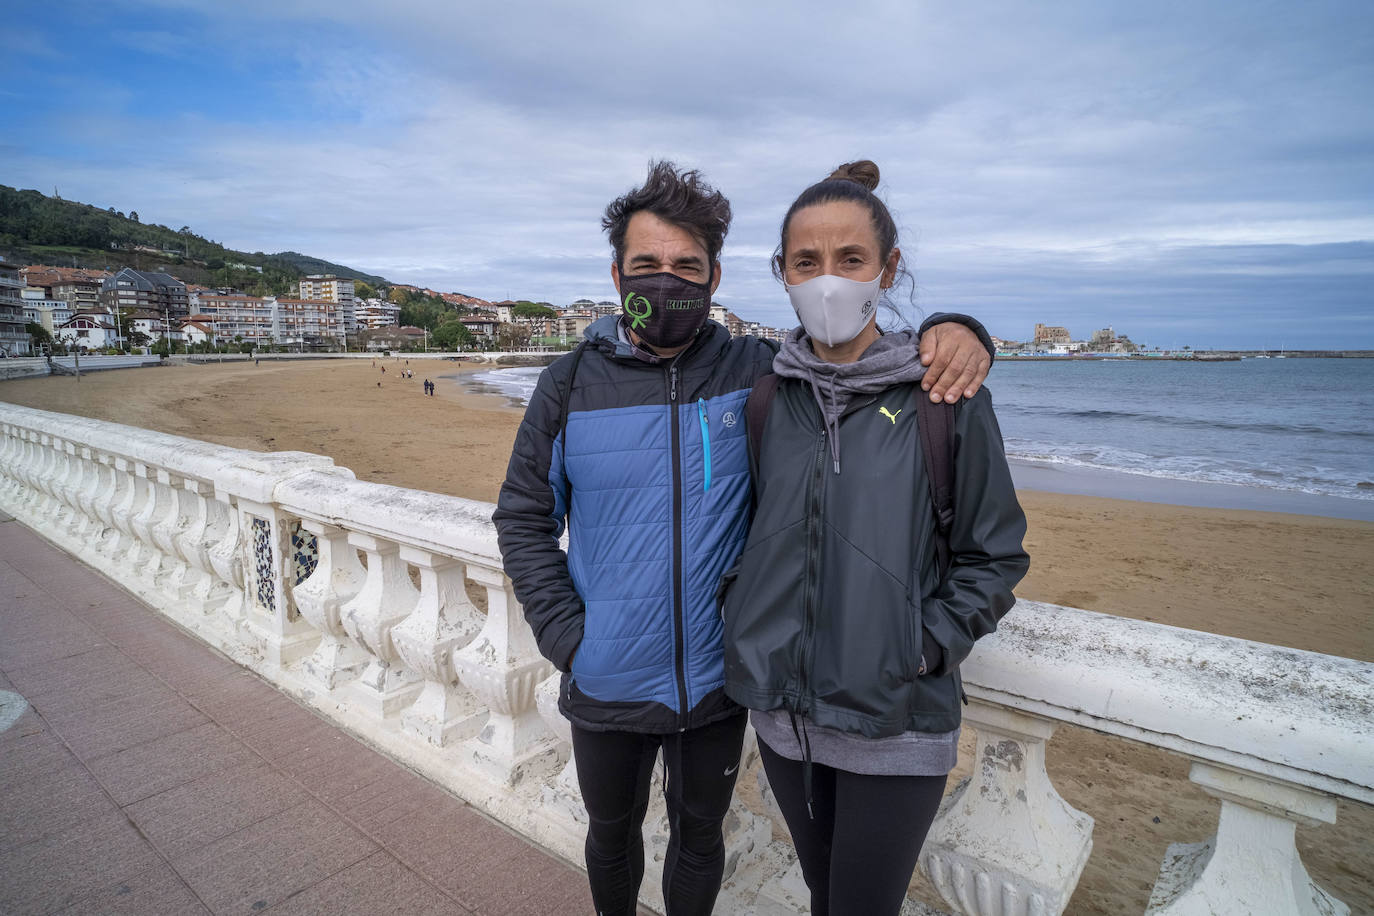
column 530, row 514
column 957, row 353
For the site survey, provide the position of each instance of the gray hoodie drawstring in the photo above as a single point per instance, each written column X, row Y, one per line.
column 831, row 417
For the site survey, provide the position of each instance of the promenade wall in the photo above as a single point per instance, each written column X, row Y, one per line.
column 388, row 610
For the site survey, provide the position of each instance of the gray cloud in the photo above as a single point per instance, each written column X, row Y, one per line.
column 1196, row 166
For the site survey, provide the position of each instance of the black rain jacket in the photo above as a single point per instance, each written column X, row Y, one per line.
column 838, row 594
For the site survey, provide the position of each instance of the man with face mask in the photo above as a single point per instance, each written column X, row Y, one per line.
column 636, row 441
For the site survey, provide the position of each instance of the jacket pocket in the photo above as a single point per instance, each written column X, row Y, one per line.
column 911, row 636
column 727, row 579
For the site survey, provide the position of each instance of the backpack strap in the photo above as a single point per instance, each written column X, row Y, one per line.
column 936, row 424
column 756, row 414
column 565, row 400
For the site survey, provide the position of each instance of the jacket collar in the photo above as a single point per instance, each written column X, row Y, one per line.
column 604, row 334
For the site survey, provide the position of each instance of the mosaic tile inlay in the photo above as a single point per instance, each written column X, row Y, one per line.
column 305, row 554
column 262, row 562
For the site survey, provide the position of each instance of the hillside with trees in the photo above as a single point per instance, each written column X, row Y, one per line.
column 38, row 229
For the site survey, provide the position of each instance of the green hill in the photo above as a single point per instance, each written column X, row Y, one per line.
column 37, row 229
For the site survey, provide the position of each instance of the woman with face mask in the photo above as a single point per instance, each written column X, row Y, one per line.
column 853, row 603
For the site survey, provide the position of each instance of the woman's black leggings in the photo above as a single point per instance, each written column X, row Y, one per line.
column 859, row 851
column 613, row 771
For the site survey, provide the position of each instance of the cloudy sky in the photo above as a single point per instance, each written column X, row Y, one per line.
column 1190, row 173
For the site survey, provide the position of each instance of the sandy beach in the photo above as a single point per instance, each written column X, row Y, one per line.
column 1292, row 580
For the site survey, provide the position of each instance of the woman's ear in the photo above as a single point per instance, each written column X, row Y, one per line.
column 894, row 260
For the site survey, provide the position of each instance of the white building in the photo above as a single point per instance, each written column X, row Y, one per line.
column 88, row 331
column 197, row 332
column 376, row 313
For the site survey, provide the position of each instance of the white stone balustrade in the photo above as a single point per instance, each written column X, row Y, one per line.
column 258, row 555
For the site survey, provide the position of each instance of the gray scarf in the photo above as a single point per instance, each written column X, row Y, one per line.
column 892, row 359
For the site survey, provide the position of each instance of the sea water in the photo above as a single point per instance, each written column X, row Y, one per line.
column 1301, row 425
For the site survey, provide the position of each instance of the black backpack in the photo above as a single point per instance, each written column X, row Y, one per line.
column 936, row 424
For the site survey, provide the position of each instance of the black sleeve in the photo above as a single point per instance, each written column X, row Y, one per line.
column 972, row 324
column 985, row 542
column 530, row 515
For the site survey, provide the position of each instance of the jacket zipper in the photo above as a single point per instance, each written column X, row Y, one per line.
column 813, row 549
column 679, row 634
column 705, row 441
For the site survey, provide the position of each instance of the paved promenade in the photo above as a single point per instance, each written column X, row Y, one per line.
column 144, row 773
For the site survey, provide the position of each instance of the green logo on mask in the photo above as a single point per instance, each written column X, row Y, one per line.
column 638, row 308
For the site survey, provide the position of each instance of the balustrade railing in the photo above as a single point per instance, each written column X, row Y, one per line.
column 388, row 610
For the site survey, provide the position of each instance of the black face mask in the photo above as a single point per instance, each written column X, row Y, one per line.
column 663, row 309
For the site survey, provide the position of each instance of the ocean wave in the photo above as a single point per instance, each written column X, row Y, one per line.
column 1176, row 421
column 1194, row 469
column 517, row 383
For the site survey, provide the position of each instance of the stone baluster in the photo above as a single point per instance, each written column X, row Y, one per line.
column 88, row 491
column 132, row 498
column 562, row 796
column 1004, row 842
column 11, row 460
column 336, row 578
column 386, row 598
column 270, row 621
column 110, row 486
column 83, row 489
column 64, row 488
column 40, row 504
column 444, row 620
column 168, row 528
column 192, row 544
column 502, row 666
column 226, row 559
column 28, row 471
column 50, row 504
column 147, row 559
column 1251, row 865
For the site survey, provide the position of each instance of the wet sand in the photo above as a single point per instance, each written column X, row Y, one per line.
column 1293, row 580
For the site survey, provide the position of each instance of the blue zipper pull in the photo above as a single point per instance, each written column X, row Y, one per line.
column 705, row 440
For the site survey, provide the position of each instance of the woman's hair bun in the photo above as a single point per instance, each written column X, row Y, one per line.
column 864, row 172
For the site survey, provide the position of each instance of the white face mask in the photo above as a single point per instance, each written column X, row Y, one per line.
column 834, row 310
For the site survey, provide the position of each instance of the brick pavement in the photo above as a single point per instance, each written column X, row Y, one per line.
column 149, row 774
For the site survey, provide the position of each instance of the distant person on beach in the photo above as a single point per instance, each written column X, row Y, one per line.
column 877, row 555
column 636, row 441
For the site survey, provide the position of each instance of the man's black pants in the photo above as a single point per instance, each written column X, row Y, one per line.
column 614, row 769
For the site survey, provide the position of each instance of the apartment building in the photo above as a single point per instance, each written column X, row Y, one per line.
column 39, row 309
column 232, row 315
column 333, row 289
column 139, row 289
column 570, row 325
column 76, row 286
column 307, row 322
column 14, row 340
column 372, row 314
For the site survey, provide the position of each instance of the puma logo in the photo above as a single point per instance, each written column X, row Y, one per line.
column 891, row 416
